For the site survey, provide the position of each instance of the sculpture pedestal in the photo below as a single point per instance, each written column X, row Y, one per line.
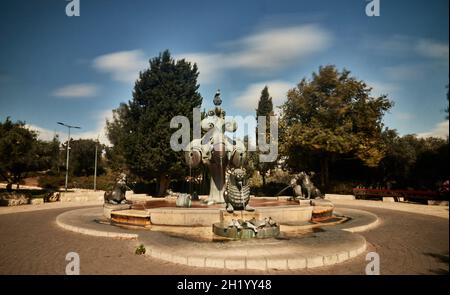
column 245, row 233
column 131, row 217
column 108, row 208
column 225, row 229
column 226, row 217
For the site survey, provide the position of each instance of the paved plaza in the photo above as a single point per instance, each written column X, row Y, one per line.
column 410, row 239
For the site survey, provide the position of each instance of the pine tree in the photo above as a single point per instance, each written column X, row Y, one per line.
column 265, row 109
column 140, row 130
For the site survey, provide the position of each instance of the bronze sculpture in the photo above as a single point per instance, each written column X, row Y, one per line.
column 216, row 151
column 303, row 187
column 237, row 194
column 117, row 195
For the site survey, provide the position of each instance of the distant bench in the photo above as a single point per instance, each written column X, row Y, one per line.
column 398, row 195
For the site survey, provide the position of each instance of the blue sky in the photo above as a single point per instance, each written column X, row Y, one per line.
column 77, row 69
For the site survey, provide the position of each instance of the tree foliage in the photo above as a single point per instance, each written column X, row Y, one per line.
column 82, row 157
column 332, row 115
column 21, row 152
column 140, row 131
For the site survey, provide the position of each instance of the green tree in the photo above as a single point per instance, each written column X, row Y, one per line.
column 49, row 155
column 17, row 151
column 332, row 115
column 400, row 158
column 82, row 157
column 140, row 130
column 265, row 109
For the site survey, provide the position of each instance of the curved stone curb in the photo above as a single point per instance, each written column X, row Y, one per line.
column 361, row 220
column 340, row 246
column 334, row 245
column 68, row 221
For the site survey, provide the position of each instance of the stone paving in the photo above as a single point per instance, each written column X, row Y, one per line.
column 32, row 243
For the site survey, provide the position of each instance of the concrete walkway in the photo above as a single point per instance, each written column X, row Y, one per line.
column 432, row 210
column 32, row 243
column 47, row 206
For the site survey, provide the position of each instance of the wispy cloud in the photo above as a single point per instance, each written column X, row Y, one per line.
column 43, row 134
column 210, row 65
column 432, row 49
column 263, row 52
column 99, row 130
column 382, row 88
column 248, row 99
column 404, row 72
column 76, row 90
column 123, row 66
column 440, row 130
column 404, row 116
column 401, row 45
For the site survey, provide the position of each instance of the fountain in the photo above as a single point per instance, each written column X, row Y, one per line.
column 229, row 208
column 302, row 231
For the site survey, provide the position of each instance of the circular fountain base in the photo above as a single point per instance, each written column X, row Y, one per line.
column 234, row 233
column 297, row 246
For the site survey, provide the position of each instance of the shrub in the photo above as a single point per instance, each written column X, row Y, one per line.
column 51, row 182
column 140, row 250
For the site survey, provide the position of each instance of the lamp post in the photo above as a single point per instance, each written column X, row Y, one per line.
column 95, row 167
column 68, row 148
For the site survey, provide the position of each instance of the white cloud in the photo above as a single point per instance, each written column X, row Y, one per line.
column 277, row 48
column 123, row 66
column 393, row 44
column 440, row 130
column 98, row 132
column 209, row 65
column 263, row 52
column 248, row 99
column 404, row 116
column 76, row 90
column 43, row 134
column 401, row 45
column 404, row 72
column 381, row 88
column 432, row 49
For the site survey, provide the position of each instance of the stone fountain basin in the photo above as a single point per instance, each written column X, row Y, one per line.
column 165, row 212
column 206, row 217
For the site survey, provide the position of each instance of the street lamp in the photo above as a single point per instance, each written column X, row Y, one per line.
column 95, row 165
column 68, row 147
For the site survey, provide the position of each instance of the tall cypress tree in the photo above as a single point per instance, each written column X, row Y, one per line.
column 140, row 130
column 265, row 109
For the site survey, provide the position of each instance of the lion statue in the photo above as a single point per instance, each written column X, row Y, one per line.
column 237, row 193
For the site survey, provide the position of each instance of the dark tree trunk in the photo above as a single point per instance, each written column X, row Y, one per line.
column 164, row 182
column 324, row 173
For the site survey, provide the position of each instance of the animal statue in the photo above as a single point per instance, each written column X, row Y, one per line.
column 237, row 193
column 303, row 186
column 184, row 200
column 117, row 195
column 253, row 224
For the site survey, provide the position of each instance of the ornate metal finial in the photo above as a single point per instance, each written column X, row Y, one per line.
column 217, row 100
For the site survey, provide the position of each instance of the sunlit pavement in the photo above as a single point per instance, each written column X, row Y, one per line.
column 407, row 242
